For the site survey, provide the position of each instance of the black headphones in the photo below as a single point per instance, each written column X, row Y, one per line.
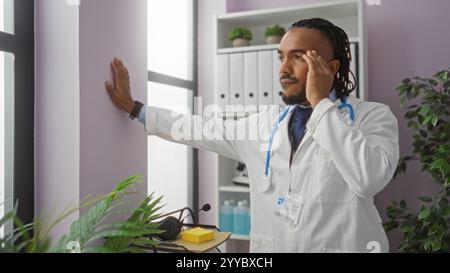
column 171, row 226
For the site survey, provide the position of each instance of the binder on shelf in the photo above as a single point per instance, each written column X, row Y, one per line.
column 265, row 77
column 276, row 89
column 223, row 81
column 237, row 79
column 251, row 78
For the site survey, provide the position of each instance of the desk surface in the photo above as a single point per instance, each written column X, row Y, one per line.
column 180, row 245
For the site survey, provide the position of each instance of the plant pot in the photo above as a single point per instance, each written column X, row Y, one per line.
column 240, row 42
column 273, row 39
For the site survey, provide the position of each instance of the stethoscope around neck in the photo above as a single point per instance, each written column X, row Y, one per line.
column 265, row 181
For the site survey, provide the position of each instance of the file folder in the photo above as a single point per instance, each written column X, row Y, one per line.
column 251, row 79
column 223, row 81
column 265, row 78
column 277, row 90
column 237, row 79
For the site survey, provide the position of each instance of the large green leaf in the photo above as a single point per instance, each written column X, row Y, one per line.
column 83, row 229
column 141, row 217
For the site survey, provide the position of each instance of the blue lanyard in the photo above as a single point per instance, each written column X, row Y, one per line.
column 283, row 115
column 351, row 112
column 274, row 130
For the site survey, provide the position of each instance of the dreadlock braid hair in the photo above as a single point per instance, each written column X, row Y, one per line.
column 341, row 46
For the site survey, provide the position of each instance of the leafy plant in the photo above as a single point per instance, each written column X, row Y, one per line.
column 94, row 231
column 20, row 238
column 428, row 115
column 240, row 32
column 275, row 30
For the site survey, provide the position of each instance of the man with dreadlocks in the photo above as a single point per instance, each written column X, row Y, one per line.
column 312, row 182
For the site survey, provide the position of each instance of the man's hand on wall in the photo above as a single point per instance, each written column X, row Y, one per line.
column 119, row 91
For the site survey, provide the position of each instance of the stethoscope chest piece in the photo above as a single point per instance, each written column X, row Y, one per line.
column 264, row 184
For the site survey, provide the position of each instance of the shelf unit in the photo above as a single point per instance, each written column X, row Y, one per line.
column 348, row 14
column 229, row 50
column 234, row 189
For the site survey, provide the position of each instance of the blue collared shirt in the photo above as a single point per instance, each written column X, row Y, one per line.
column 141, row 116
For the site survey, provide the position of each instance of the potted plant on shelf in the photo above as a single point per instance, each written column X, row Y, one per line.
column 274, row 34
column 428, row 115
column 240, row 36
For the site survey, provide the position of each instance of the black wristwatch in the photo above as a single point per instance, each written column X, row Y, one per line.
column 136, row 109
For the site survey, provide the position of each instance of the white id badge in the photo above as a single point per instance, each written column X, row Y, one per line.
column 288, row 208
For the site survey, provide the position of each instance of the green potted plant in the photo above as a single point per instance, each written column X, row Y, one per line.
column 94, row 231
column 274, row 34
column 428, row 115
column 240, row 36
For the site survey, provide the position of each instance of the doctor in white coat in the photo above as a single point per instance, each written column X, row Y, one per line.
column 312, row 182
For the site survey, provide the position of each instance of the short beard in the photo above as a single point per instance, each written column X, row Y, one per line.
column 298, row 98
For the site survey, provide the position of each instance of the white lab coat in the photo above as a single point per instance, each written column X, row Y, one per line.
column 337, row 170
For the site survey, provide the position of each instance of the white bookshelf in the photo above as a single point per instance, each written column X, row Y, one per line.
column 227, row 190
column 344, row 13
column 251, row 48
column 347, row 14
column 234, row 189
column 229, row 50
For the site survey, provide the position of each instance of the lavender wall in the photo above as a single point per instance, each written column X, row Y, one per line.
column 84, row 145
column 406, row 37
column 112, row 147
column 57, row 108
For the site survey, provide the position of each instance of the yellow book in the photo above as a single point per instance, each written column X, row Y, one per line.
column 197, row 235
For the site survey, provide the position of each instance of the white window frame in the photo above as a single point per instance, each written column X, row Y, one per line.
column 191, row 88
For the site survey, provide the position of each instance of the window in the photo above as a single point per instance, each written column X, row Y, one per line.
column 170, row 38
column 6, row 80
column 6, row 16
column 17, row 109
column 6, row 136
column 172, row 84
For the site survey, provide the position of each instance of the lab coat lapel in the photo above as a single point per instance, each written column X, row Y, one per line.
column 307, row 137
column 305, row 140
column 282, row 137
